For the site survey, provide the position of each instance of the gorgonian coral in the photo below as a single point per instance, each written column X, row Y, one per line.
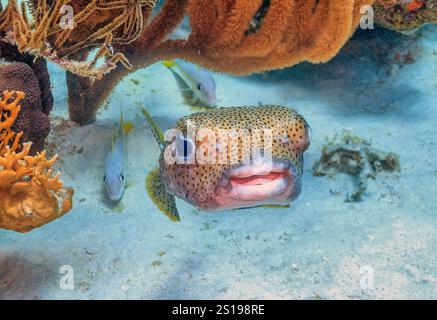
column 43, row 33
column 31, row 195
column 234, row 36
column 238, row 37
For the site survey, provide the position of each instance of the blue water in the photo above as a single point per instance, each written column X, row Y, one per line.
column 318, row 248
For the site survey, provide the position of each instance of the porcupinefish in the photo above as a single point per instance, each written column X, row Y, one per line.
column 230, row 158
column 197, row 80
column 114, row 177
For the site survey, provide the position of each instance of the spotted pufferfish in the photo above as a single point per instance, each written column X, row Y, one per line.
column 240, row 181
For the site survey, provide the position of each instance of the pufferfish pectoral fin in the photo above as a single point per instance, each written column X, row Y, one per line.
column 160, row 197
column 275, row 206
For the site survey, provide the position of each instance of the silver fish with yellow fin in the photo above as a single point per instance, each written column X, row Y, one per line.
column 115, row 163
column 198, row 81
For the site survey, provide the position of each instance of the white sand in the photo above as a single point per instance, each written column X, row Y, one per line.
column 315, row 249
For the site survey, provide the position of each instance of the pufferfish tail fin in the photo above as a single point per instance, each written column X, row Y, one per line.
column 160, row 197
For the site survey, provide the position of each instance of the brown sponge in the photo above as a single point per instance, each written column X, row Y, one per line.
column 33, row 119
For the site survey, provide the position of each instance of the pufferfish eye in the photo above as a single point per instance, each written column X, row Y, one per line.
column 184, row 148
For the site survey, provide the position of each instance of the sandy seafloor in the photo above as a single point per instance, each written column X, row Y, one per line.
column 314, row 250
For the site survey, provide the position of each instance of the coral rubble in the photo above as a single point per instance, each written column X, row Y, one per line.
column 350, row 154
column 30, row 194
column 405, row 16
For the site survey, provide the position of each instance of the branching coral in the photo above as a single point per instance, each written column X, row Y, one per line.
column 45, row 34
column 33, row 120
column 10, row 53
column 30, row 194
column 124, row 26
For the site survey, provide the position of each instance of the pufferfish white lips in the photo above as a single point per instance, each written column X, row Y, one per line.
column 276, row 182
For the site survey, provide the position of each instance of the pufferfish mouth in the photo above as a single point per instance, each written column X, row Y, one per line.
column 276, row 182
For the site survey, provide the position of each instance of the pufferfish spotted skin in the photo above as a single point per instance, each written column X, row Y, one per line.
column 236, row 177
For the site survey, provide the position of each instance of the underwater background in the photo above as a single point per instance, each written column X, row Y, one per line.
column 382, row 87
